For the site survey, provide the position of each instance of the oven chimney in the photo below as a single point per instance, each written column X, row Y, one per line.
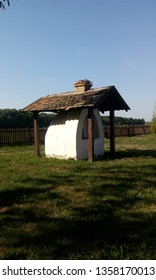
column 83, row 85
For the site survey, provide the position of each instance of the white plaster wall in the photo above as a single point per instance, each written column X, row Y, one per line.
column 64, row 136
column 60, row 139
column 82, row 144
column 99, row 142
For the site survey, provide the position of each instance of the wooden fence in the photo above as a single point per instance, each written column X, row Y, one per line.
column 20, row 136
column 127, row 130
column 25, row 136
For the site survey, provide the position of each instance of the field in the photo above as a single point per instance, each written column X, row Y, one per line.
column 66, row 209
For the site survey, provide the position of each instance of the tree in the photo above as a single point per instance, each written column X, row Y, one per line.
column 123, row 121
column 153, row 123
column 12, row 118
column 2, row 4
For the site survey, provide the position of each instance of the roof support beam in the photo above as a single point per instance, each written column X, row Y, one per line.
column 112, row 133
column 90, row 135
column 36, row 134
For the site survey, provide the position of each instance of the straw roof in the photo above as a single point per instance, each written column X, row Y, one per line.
column 104, row 98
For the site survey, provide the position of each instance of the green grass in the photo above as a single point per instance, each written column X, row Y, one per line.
column 66, row 209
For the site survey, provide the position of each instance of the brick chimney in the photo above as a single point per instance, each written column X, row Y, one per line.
column 83, row 85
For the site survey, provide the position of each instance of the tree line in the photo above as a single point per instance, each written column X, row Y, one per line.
column 123, row 121
column 13, row 118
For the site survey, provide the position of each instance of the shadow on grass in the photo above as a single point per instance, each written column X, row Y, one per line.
column 137, row 153
column 105, row 226
column 100, row 230
column 94, row 233
column 131, row 153
column 33, row 187
column 18, row 195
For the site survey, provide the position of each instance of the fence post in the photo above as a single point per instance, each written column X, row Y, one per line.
column 36, row 134
column 112, row 134
column 90, row 135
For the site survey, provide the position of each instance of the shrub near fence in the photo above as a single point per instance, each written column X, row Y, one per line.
column 25, row 136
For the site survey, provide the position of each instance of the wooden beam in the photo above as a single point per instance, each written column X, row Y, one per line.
column 112, row 134
column 36, row 134
column 90, row 135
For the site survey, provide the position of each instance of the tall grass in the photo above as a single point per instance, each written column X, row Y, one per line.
column 66, row 209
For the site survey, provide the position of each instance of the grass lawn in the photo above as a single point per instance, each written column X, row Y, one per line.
column 66, row 209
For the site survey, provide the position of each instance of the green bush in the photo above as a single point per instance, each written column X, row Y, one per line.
column 153, row 123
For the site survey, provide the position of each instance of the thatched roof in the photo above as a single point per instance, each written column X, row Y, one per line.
column 104, row 98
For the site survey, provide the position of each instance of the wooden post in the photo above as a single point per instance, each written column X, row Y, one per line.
column 112, row 134
column 90, row 135
column 36, row 134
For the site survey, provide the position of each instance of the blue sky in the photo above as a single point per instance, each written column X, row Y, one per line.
column 48, row 45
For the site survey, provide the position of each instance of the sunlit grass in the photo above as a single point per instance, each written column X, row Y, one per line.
column 66, row 209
